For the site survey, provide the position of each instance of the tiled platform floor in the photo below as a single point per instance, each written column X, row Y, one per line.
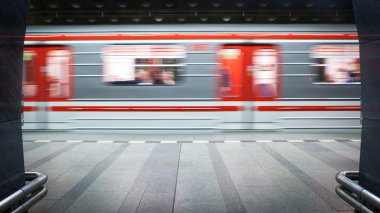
column 189, row 177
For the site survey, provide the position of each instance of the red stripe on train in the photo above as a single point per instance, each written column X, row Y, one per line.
column 86, row 37
column 307, row 108
column 29, row 108
column 144, row 108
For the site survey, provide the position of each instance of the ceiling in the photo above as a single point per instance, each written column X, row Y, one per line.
column 92, row 12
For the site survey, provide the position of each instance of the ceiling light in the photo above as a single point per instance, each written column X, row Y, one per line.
column 263, row 3
column 169, row 4
column 203, row 19
column 122, row 3
column 114, row 19
column 75, row 5
column 136, row 19
column 69, row 20
column 48, row 19
column 240, row 4
column 181, row 19
column 145, row 4
column 287, row 3
column 226, row 18
column 216, row 4
column 192, row 4
column 92, row 20
column 53, row 4
column 249, row 19
column 309, row 4
column 158, row 19
column 99, row 4
column 338, row 19
column 272, row 18
column 333, row 4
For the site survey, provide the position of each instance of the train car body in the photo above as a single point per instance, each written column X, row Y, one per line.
column 198, row 77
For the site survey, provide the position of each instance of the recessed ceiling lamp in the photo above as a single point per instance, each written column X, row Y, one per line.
column 204, row 19
column 114, row 19
column 338, row 19
column 53, row 4
column 75, row 4
column 122, row 3
column 99, row 4
column 192, row 4
column 248, row 19
column 287, row 3
column 293, row 19
column 315, row 19
column 226, row 18
column 216, row 4
column 333, row 4
column 69, row 20
column 181, row 19
column 146, row 4
column 136, row 19
column 240, row 4
column 159, row 19
column 310, row 3
column 91, row 20
column 48, row 19
column 169, row 4
column 271, row 18
column 263, row 3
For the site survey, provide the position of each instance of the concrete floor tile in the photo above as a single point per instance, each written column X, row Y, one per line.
column 156, row 202
column 42, row 206
column 98, row 202
column 199, row 207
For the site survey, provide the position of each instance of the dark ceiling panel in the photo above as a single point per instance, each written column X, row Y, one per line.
column 44, row 12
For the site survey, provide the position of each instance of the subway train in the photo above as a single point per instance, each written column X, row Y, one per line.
column 192, row 77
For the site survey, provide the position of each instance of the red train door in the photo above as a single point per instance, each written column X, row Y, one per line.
column 46, row 78
column 249, row 73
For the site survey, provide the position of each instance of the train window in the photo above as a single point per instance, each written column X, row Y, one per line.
column 265, row 72
column 29, row 74
column 231, row 61
column 143, row 64
column 336, row 64
column 57, row 73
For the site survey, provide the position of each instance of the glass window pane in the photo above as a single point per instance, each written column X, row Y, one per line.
column 265, row 73
column 57, row 73
column 336, row 64
column 143, row 64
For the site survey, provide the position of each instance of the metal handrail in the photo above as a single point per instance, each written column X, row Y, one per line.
column 28, row 195
column 355, row 195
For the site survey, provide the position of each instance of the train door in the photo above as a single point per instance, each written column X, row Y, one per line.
column 46, row 78
column 249, row 74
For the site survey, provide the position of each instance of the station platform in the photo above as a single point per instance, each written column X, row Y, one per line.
column 225, row 172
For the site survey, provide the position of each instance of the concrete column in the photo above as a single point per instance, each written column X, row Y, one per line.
column 368, row 24
column 13, row 15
